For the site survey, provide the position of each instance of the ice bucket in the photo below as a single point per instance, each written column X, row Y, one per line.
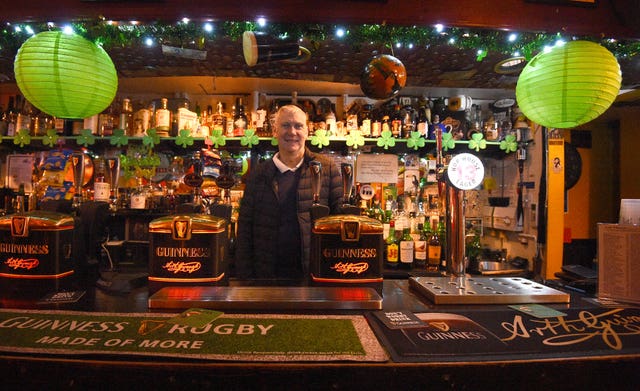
column 187, row 250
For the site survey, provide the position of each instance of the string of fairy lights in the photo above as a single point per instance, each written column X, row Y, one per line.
column 192, row 34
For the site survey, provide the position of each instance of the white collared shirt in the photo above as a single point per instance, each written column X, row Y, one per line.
column 283, row 167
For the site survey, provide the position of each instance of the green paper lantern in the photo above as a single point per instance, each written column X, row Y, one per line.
column 65, row 75
column 569, row 85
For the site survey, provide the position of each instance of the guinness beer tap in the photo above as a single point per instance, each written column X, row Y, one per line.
column 77, row 166
column 113, row 176
column 347, row 187
column 317, row 210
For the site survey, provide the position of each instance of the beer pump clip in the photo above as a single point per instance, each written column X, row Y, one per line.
column 317, row 210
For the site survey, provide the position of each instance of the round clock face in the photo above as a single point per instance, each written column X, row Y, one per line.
column 465, row 171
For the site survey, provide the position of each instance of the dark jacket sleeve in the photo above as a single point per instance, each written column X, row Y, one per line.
column 244, row 241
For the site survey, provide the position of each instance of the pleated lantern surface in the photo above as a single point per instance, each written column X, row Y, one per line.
column 568, row 86
column 65, row 75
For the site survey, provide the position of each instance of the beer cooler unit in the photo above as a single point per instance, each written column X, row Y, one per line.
column 37, row 255
column 347, row 251
column 187, row 250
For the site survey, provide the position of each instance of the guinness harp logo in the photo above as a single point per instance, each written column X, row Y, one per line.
column 442, row 326
column 20, row 226
column 181, row 228
column 350, row 231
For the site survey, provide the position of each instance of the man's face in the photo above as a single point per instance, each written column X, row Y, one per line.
column 291, row 131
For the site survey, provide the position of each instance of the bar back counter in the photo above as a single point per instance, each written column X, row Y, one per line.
column 71, row 342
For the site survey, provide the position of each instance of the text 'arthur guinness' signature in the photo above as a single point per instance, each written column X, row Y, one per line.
column 609, row 326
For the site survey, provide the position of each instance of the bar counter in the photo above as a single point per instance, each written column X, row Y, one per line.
column 524, row 372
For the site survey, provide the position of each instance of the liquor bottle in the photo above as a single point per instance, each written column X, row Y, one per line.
column 434, row 251
column 261, row 121
column 163, row 119
column 141, row 120
column 125, row 120
column 443, row 243
column 406, row 249
column 275, row 105
column 106, row 122
column 365, row 120
column 3, row 123
column 23, row 118
column 139, row 197
column 391, row 258
column 239, row 119
column 218, row 119
column 9, row 118
column 101, row 188
column 420, row 249
column 409, row 121
column 423, row 120
column 396, row 122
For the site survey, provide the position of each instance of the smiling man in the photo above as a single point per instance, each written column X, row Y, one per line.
column 274, row 223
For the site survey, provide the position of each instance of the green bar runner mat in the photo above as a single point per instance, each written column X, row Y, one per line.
column 225, row 337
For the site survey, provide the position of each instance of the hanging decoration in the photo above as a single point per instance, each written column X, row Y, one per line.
column 65, row 75
column 569, row 85
column 383, row 77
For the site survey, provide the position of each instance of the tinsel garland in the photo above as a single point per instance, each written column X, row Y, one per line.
column 195, row 35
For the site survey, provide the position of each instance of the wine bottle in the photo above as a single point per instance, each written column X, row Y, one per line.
column 406, row 249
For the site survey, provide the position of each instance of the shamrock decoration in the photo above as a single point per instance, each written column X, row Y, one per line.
column 386, row 140
column 355, row 139
column 274, row 141
column 119, row 139
column 86, row 138
column 184, row 138
column 448, row 142
column 51, row 138
column 250, row 138
column 151, row 138
column 481, row 55
column 416, row 141
column 22, row 138
column 217, row 138
column 320, row 138
column 509, row 144
column 477, row 142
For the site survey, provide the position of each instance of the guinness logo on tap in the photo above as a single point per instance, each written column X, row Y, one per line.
column 181, row 228
column 20, row 226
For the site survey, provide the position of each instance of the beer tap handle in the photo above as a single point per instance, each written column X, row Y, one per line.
column 316, row 172
column 347, row 181
column 347, row 188
column 77, row 165
column 317, row 210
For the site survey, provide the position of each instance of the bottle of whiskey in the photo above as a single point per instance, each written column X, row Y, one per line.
column 218, row 119
column 141, row 120
column 139, row 197
column 420, row 249
column 392, row 255
column 163, row 119
column 101, row 188
column 125, row 119
column 406, row 249
column 434, row 251
column 239, row 119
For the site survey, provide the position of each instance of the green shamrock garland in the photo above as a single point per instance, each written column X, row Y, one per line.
column 509, row 144
column 386, row 140
column 250, row 138
column 320, row 138
column 477, row 142
column 448, row 142
column 151, row 138
column 416, row 141
column 355, row 139
column 217, row 138
column 86, row 138
column 119, row 139
column 51, row 138
column 22, row 138
column 184, row 138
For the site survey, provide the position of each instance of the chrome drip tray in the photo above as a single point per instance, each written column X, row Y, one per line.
column 485, row 290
